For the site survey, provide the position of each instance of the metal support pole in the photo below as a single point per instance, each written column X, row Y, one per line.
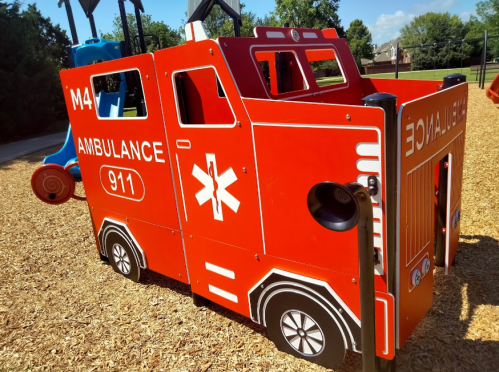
column 71, row 20
column 484, row 58
column 397, row 61
column 92, row 25
column 126, row 32
column 388, row 102
column 366, row 276
column 141, row 30
column 237, row 27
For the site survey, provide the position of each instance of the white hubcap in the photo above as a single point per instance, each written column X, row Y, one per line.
column 302, row 332
column 121, row 258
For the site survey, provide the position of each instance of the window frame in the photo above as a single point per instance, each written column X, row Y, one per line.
column 343, row 85
column 177, row 109
column 270, row 49
column 119, row 117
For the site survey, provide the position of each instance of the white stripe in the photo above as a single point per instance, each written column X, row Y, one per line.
column 229, row 296
column 310, row 35
column 368, row 149
column 181, row 187
column 188, row 32
column 220, row 270
column 369, row 165
column 275, row 35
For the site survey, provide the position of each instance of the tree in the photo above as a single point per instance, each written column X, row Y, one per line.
column 487, row 19
column 309, row 14
column 32, row 53
column 360, row 40
column 218, row 23
column 432, row 28
column 167, row 36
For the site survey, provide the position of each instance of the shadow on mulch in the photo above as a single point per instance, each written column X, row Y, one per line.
column 457, row 334
column 445, row 340
column 33, row 158
column 151, row 278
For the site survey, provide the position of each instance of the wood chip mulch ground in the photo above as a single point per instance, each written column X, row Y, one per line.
column 61, row 309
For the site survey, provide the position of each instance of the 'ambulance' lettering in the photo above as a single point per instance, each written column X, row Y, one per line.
column 131, row 151
column 417, row 133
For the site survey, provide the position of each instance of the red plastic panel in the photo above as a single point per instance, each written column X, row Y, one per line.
column 326, row 149
column 429, row 128
column 214, row 166
column 136, row 147
column 405, row 90
column 226, row 274
column 247, row 75
column 162, row 247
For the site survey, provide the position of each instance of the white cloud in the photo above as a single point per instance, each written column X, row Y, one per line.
column 465, row 16
column 388, row 25
column 434, row 6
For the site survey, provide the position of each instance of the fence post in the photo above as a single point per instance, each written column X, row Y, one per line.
column 397, row 61
column 484, row 58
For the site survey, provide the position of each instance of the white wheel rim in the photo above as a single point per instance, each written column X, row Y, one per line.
column 121, row 259
column 302, row 332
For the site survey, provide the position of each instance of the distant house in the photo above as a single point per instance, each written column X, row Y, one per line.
column 385, row 54
column 366, row 62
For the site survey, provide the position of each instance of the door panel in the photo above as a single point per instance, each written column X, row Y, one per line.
column 210, row 140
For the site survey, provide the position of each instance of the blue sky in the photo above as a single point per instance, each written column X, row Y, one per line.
column 383, row 17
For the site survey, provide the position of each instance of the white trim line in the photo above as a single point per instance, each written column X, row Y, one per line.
column 385, row 303
column 448, row 219
column 172, row 174
column 181, row 186
column 141, row 251
column 96, row 108
column 220, row 292
column 220, row 270
column 290, row 46
column 179, row 119
column 186, row 146
column 120, row 196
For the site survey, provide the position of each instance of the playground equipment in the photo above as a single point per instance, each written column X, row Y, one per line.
column 306, row 204
column 493, row 91
column 92, row 50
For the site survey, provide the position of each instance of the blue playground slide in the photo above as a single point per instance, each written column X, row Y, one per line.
column 109, row 104
column 66, row 155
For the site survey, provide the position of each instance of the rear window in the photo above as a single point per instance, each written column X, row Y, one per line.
column 325, row 67
column 281, row 72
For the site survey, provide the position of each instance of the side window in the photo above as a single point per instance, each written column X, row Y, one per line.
column 327, row 71
column 281, row 72
column 201, row 99
column 119, row 95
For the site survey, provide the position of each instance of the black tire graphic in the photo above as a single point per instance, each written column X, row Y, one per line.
column 301, row 327
column 121, row 256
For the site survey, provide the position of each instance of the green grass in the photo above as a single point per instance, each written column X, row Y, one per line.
column 129, row 112
column 331, row 80
column 435, row 74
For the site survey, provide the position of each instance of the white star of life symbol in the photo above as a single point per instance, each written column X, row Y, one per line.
column 214, row 187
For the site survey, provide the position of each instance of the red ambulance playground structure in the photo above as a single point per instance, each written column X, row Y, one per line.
column 241, row 176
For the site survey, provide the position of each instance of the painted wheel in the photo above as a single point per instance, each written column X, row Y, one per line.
column 301, row 327
column 121, row 256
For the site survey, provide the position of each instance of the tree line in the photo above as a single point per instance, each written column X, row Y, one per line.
column 32, row 52
column 431, row 28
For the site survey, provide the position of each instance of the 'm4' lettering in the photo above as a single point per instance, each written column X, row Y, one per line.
column 77, row 101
